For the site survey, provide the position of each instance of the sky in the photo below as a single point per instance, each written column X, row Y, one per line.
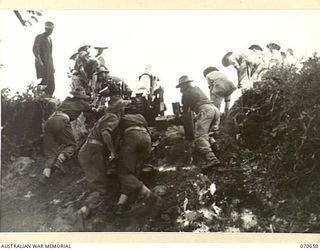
column 175, row 43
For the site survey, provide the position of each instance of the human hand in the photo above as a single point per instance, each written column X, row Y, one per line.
column 61, row 157
column 40, row 61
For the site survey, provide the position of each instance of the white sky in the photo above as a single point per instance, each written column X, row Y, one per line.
column 174, row 42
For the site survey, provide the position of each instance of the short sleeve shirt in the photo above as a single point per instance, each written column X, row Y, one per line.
column 109, row 122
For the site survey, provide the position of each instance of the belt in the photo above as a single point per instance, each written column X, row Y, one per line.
column 94, row 141
column 135, row 128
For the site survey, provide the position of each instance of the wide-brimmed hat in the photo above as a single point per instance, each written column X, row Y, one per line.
column 256, row 47
column 100, row 46
column 79, row 92
column 209, row 70
column 273, row 46
column 116, row 104
column 183, row 80
column 49, row 25
column 84, row 47
column 225, row 61
column 74, row 56
column 290, row 51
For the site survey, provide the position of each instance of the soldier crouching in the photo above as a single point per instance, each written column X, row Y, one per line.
column 59, row 140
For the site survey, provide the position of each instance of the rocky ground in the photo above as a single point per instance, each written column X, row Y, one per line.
column 233, row 199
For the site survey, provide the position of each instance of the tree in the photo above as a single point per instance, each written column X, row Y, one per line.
column 29, row 17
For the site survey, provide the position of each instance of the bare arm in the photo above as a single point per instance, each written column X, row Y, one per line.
column 107, row 139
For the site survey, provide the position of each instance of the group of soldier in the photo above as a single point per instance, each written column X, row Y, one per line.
column 118, row 143
column 121, row 140
column 252, row 63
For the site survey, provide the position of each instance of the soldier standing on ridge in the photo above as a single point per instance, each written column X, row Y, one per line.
column 42, row 50
column 246, row 64
column 276, row 58
column 100, row 57
column 263, row 65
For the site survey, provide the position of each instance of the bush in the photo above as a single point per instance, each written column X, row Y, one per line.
column 278, row 122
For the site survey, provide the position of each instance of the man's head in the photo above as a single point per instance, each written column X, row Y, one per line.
column 84, row 47
column 273, row 46
column 100, row 49
column 208, row 70
column 49, row 26
column 228, row 59
column 255, row 47
column 84, row 56
column 102, row 73
column 290, row 52
column 184, row 82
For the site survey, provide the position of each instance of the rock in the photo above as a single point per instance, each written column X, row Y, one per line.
column 84, row 212
column 55, row 202
column 22, row 165
column 94, row 200
column 28, row 195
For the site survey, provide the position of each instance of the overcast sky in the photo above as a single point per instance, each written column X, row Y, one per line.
column 174, row 42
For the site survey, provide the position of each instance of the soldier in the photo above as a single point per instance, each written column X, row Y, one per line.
column 275, row 58
column 86, row 69
column 115, row 89
column 134, row 151
column 246, row 64
column 73, row 59
column 263, row 66
column 101, row 147
column 220, row 87
column 290, row 59
column 100, row 57
column 59, row 140
column 100, row 81
column 207, row 116
column 42, row 50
